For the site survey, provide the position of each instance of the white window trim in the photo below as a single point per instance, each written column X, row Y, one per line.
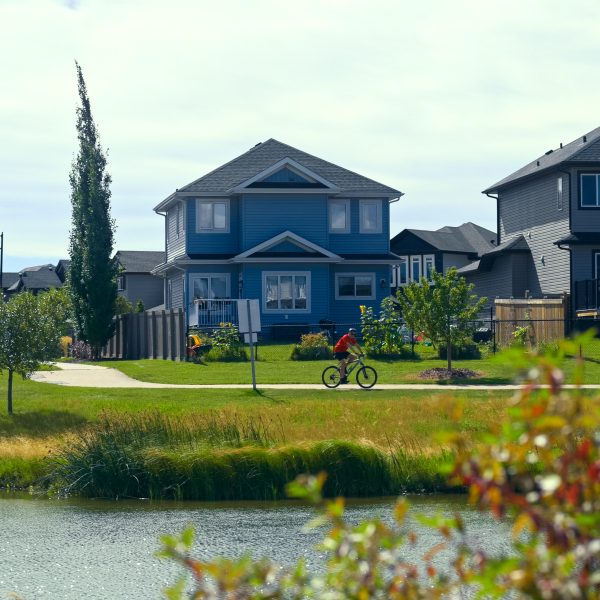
column 121, row 283
column 295, row 311
column 227, row 276
column 596, row 177
column 379, row 226
column 339, row 202
column 225, row 201
column 419, row 259
column 354, row 298
column 403, row 259
column 559, row 193
column 596, row 256
column 424, row 265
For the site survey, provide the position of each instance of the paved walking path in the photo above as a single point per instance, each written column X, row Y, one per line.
column 79, row 375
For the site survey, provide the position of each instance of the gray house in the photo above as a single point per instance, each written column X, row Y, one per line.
column 548, row 215
column 135, row 281
column 40, row 278
column 421, row 250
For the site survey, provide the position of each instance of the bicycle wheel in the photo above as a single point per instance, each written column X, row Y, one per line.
column 366, row 377
column 331, row 377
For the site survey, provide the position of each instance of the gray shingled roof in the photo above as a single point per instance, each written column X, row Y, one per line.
column 467, row 238
column 584, row 237
column 577, row 151
column 40, row 277
column 8, row 279
column 139, row 261
column 264, row 155
column 516, row 244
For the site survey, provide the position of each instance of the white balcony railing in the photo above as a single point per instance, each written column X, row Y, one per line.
column 210, row 313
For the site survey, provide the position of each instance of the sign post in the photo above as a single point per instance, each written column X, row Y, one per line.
column 249, row 325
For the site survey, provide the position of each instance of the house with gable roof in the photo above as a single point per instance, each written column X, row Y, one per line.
column 548, row 215
column 135, row 281
column 307, row 238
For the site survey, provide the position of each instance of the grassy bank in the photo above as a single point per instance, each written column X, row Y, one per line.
column 49, row 418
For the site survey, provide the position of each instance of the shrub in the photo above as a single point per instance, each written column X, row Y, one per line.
column 313, row 346
column 381, row 336
column 81, row 351
column 466, row 352
column 226, row 344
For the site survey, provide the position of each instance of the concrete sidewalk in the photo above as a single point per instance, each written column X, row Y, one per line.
column 95, row 376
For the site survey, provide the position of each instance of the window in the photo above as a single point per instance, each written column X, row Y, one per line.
column 351, row 286
column 210, row 286
column 285, row 291
column 596, row 264
column 212, row 215
column 589, row 196
column 415, row 268
column 121, row 283
column 428, row 265
column 559, row 193
column 370, row 216
column 339, row 216
column 401, row 271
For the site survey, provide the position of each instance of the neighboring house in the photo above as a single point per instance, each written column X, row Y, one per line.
column 548, row 215
column 422, row 251
column 8, row 280
column 62, row 268
column 136, row 281
column 308, row 238
column 35, row 279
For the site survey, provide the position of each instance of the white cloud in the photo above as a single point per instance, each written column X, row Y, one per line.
column 437, row 99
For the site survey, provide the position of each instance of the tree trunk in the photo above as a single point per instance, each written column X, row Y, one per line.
column 449, row 356
column 10, row 382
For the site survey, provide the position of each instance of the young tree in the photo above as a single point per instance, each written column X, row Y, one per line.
column 443, row 309
column 92, row 275
column 29, row 334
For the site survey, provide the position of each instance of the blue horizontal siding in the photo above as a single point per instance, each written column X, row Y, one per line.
column 265, row 216
column 213, row 243
column 319, row 297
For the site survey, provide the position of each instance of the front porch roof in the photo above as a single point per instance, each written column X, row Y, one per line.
column 579, row 239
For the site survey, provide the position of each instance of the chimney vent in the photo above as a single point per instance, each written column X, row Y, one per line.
column 584, row 139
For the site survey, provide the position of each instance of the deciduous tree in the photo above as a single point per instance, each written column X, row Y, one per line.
column 29, row 334
column 92, row 275
column 444, row 309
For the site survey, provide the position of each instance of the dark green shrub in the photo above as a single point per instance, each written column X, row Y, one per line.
column 312, row 346
column 467, row 352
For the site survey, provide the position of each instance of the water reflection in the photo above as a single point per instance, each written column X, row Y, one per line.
column 70, row 549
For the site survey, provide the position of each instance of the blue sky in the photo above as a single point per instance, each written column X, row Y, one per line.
column 437, row 99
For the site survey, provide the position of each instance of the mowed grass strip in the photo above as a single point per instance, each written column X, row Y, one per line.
column 48, row 418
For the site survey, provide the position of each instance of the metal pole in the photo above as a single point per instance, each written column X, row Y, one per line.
column 250, row 334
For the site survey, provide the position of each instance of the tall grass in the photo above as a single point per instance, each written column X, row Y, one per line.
column 220, row 458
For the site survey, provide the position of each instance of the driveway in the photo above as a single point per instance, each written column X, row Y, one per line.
column 80, row 375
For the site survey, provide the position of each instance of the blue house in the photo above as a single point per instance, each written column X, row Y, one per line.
column 309, row 239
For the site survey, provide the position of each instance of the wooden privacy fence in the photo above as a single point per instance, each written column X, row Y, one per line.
column 156, row 334
column 544, row 319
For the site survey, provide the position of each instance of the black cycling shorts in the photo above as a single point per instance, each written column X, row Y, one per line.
column 341, row 355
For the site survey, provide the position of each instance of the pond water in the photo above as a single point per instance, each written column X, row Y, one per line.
column 71, row 549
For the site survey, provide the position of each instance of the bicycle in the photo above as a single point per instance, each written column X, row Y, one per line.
column 366, row 376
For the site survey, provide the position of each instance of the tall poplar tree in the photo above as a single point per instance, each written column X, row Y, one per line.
column 92, row 274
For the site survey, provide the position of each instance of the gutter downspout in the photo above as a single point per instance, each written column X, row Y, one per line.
column 497, row 199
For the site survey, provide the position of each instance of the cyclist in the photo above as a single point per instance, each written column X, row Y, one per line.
column 345, row 351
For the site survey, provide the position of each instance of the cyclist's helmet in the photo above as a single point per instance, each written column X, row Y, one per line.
column 351, row 330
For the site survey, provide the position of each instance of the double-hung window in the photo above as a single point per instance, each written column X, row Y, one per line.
column 352, row 286
column 415, row 268
column 212, row 216
column 286, row 291
column 589, row 194
column 339, row 216
column 402, row 271
column 370, row 212
column 428, row 266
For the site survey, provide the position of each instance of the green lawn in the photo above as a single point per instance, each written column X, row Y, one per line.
column 274, row 366
column 46, row 415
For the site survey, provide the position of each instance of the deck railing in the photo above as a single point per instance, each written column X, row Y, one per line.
column 209, row 313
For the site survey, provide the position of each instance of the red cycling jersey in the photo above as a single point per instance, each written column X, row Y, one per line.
column 344, row 343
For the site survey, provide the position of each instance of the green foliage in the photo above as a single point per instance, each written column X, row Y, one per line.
column 521, row 335
column 381, row 335
column 30, row 331
column 463, row 352
column 226, row 345
column 122, row 305
column 444, row 309
column 92, row 274
column 539, row 467
column 139, row 307
column 313, row 346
